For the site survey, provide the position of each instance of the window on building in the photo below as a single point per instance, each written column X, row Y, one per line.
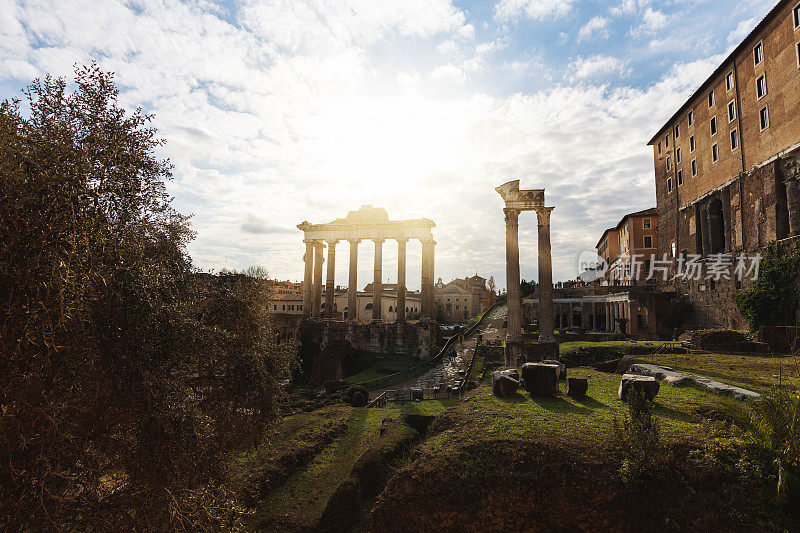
column 677, row 130
column 668, row 163
column 646, row 223
column 648, row 241
column 694, row 167
column 711, row 99
column 299, row 307
column 714, row 153
column 659, row 148
column 669, row 185
column 734, row 139
column 666, row 140
column 678, row 156
column 275, row 307
column 673, row 249
column 680, row 177
column 796, row 15
column 713, row 125
column 731, row 111
column 758, row 53
column 763, row 117
column 729, row 81
column 761, row 86
column 797, row 47
column 690, row 117
column 691, row 143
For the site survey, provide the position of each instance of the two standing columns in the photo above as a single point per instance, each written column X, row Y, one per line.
column 312, row 279
column 546, row 308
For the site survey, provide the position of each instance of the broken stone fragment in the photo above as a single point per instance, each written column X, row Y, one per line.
column 540, row 379
column 505, row 382
column 647, row 384
column 577, row 386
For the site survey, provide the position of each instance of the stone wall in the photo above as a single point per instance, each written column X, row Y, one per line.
column 327, row 347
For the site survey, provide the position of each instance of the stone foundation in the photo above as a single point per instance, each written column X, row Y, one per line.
column 325, row 344
column 518, row 353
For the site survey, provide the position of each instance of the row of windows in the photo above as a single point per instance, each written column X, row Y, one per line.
column 291, row 307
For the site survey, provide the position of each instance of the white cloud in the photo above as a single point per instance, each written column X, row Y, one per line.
column 742, row 30
column 651, row 21
column 312, row 110
column 596, row 66
column 513, row 10
column 597, row 26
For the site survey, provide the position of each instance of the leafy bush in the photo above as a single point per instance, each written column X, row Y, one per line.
column 638, row 438
column 356, row 395
column 774, row 296
column 773, row 429
column 125, row 377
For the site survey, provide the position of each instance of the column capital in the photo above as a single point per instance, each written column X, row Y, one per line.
column 332, row 242
column 354, row 241
column 543, row 215
column 511, row 215
column 378, row 240
column 402, row 240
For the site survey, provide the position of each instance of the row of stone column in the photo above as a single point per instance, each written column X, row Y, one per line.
column 312, row 280
column 612, row 310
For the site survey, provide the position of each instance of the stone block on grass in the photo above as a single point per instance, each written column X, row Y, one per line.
column 505, row 382
column 540, row 379
column 416, row 394
column 577, row 386
column 562, row 368
column 646, row 384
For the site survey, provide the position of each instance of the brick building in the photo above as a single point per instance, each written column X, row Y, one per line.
column 727, row 162
column 632, row 241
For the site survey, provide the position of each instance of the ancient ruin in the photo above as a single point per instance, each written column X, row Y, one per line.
column 516, row 201
column 367, row 223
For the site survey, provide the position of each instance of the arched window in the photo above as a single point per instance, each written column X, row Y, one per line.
column 390, row 308
column 673, row 249
column 368, row 307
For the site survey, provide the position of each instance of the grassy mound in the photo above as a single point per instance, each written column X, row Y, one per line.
column 539, row 464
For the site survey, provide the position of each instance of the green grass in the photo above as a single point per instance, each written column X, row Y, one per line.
column 759, row 373
column 384, row 364
column 623, row 347
column 583, row 421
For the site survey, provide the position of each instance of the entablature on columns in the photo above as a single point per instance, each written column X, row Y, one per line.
column 369, row 223
column 526, row 200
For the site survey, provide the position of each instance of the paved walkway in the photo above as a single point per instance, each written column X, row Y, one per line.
column 447, row 373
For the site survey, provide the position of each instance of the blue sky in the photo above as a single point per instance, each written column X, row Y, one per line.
column 289, row 110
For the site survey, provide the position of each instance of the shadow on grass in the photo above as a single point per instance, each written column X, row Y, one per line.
column 517, row 397
column 672, row 414
column 558, row 404
column 591, row 403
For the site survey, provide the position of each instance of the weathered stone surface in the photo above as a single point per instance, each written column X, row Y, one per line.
column 416, row 394
column 577, row 386
column 647, row 384
column 505, row 382
column 678, row 378
column 540, row 379
column 562, row 368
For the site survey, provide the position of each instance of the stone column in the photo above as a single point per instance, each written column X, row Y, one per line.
column 377, row 282
column 545, row 276
column 428, row 307
column 793, row 205
column 595, row 325
column 705, row 229
column 330, row 302
column 514, row 302
column 401, row 280
column 319, row 247
column 352, row 287
column 308, row 274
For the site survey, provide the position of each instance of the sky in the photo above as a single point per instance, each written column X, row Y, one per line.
column 276, row 112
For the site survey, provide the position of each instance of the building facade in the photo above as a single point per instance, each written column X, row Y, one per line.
column 727, row 165
column 461, row 299
column 629, row 247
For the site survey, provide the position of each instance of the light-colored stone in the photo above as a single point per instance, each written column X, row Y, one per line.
column 679, row 378
column 647, row 384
